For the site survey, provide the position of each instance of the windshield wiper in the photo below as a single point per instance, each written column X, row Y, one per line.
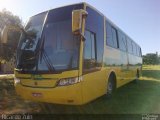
column 47, row 61
column 45, row 57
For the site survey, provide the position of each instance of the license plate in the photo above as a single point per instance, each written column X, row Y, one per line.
column 37, row 94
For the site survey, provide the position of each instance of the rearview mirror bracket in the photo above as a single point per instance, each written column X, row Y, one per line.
column 78, row 17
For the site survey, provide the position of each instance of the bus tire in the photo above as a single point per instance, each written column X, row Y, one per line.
column 111, row 86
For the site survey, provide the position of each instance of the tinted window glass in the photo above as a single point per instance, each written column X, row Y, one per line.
column 35, row 25
column 137, row 53
column 122, row 41
column 130, row 47
column 140, row 52
column 87, row 46
column 114, row 37
column 134, row 48
column 36, row 20
column 95, row 23
column 93, row 49
column 109, row 35
column 58, row 47
column 89, row 50
column 63, row 13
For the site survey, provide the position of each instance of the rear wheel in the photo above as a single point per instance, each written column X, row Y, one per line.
column 137, row 77
column 111, row 86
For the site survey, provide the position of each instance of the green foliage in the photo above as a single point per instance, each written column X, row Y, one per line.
column 151, row 59
column 7, row 18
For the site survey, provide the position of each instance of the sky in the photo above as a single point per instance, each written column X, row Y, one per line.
column 140, row 19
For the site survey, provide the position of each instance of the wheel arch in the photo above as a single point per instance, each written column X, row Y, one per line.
column 138, row 72
column 112, row 73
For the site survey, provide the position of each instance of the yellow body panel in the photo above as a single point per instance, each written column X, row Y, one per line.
column 94, row 85
column 47, row 88
column 59, row 95
column 65, row 74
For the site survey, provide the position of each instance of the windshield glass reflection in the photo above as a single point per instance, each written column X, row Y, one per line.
column 51, row 46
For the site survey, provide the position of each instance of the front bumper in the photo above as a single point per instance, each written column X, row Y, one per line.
column 70, row 95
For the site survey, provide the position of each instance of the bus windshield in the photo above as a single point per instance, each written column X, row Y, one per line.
column 54, row 45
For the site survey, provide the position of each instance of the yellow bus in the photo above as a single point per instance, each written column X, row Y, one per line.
column 73, row 55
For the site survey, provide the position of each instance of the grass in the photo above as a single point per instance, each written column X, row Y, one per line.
column 132, row 98
column 151, row 72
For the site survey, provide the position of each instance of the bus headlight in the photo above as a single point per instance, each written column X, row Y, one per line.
column 69, row 81
column 16, row 80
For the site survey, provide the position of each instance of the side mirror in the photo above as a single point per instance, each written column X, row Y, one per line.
column 5, row 31
column 77, row 19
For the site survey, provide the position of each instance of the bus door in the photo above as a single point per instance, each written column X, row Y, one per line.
column 93, row 77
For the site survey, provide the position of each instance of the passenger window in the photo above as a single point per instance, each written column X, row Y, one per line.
column 95, row 24
column 137, row 50
column 89, row 50
column 140, row 52
column 130, row 47
column 111, row 36
column 93, row 49
column 114, row 38
column 122, row 41
column 134, row 48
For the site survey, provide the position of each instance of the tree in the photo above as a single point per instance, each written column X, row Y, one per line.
column 151, row 58
column 7, row 18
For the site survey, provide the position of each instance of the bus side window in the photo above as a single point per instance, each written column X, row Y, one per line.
column 130, row 47
column 134, row 48
column 114, row 38
column 137, row 50
column 89, row 50
column 122, row 41
column 140, row 52
column 111, row 36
